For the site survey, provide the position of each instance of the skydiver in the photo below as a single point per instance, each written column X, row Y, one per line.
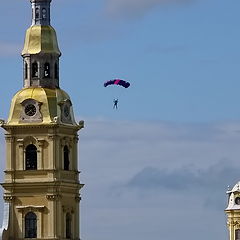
column 115, row 103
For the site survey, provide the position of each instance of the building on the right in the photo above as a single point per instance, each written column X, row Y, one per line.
column 233, row 212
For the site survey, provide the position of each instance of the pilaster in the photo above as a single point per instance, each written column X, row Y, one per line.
column 9, row 151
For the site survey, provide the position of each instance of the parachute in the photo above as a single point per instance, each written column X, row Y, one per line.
column 119, row 82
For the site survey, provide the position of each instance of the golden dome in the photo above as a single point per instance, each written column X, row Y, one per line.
column 41, row 39
column 50, row 101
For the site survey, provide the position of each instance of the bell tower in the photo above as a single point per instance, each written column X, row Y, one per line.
column 41, row 185
column 233, row 212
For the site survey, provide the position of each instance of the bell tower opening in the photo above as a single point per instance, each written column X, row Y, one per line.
column 46, row 70
column 44, row 13
column 35, row 70
column 41, row 12
column 56, row 71
column 31, row 157
column 37, row 13
column 26, row 70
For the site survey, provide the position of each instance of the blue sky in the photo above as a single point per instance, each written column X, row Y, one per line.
column 180, row 56
column 167, row 155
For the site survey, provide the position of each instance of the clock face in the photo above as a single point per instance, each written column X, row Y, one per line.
column 30, row 110
column 237, row 200
column 66, row 111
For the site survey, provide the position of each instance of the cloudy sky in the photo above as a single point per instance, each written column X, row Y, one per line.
column 159, row 166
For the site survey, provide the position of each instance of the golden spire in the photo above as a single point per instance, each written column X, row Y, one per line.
column 41, row 37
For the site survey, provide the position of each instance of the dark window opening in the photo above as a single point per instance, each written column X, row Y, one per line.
column 30, row 225
column 26, row 70
column 34, row 69
column 31, row 157
column 56, row 71
column 237, row 234
column 44, row 13
column 37, row 13
column 68, row 226
column 66, row 158
column 46, row 70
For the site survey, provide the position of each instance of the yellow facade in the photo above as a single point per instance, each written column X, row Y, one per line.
column 49, row 191
column 41, row 185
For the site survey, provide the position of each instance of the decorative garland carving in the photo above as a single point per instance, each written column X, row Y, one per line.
column 76, row 139
column 8, row 198
column 67, row 141
column 53, row 197
column 78, row 198
column 67, row 209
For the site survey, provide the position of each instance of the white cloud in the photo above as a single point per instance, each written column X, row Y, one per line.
column 192, row 165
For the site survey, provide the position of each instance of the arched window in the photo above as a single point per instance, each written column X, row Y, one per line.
column 30, row 225
column 44, row 13
column 47, row 70
column 237, row 234
column 34, row 70
column 68, row 226
column 37, row 13
column 26, row 70
column 31, row 157
column 66, row 158
column 56, row 71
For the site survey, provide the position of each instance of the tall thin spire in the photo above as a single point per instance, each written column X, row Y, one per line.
column 41, row 52
column 41, row 12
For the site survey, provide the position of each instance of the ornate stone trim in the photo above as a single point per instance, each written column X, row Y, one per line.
column 47, row 126
column 30, row 208
column 37, row 117
column 2, row 122
column 41, row 142
column 53, row 197
column 9, row 138
column 81, row 124
column 67, row 209
column 78, row 198
column 76, row 139
column 66, row 111
column 8, row 198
